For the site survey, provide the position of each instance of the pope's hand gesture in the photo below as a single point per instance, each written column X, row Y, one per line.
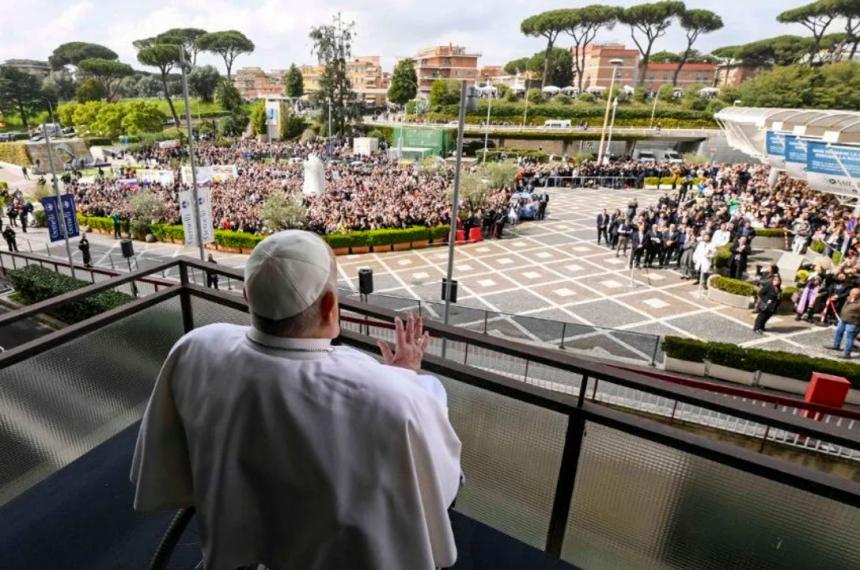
column 410, row 342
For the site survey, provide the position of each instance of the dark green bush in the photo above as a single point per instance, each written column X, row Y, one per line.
column 734, row 286
column 35, row 283
column 440, row 232
column 97, row 141
column 723, row 257
column 39, row 218
column 788, row 364
column 817, row 246
column 338, row 241
column 237, row 240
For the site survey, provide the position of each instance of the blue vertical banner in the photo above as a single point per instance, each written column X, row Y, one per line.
column 774, row 149
column 795, row 156
column 69, row 216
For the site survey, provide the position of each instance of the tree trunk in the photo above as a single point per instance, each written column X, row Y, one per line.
column 853, row 50
column 23, row 113
column 545, row 65
column 229, row 66
column 169, row 101
column 645, row 59
column 680, row 66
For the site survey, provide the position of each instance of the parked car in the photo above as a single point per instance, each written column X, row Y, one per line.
column 646, row 156
column 673, row 156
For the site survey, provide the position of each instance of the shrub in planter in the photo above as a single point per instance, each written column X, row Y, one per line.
column 338, row 241
column 237, row 240
column 770, row 232
column 440, row 232
column 723, row 257
column 734, row 286
column 35, row 283
column 685, row 348
column 817, row 246
column 39, row 218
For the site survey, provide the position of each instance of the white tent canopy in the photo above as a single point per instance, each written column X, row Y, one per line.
column 570, row 90
column 551, row 89
column 596, row 89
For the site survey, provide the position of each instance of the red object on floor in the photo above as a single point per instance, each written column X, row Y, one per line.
column 461, row 236
column 475, row 234
column 827, row 390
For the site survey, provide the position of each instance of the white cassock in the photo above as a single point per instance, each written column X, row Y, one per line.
column 298, row 455
column 702, row 257
column 721, row 238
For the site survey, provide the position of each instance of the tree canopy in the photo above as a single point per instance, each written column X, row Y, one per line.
column 203, row 80
column 73, row 53
column 582, row 25
column 163, row 57
column 108, row 72
column 816, row 17
column 333, row 48
column 835, row 86
column 21, row 94
column 228, row 44
column 404, row 82
column 559, row 70
column 228, row 97
column 294, row 83
column 547, row 25
column 651, row 21
column 695, row 23
column 185, row 37
column 780, row 50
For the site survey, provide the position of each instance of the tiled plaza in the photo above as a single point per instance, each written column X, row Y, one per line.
column 555, row 270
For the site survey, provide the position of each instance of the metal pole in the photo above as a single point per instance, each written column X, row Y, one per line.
column 62, row 212
column 654, row 109
column 196, row 205
column 487, row 129
column 455, row 200
column 606, row 115
column 526, row 110
column 611, row 125
column 400, row 139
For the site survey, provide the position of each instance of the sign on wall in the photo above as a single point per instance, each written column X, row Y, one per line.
column 833, row 168
column 774, row 150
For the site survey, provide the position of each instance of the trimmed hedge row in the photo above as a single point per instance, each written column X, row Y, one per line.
column 734, row 286
column 35, row 283
column 788, row 364
column 14, row 152
column 668, row 180
column 770, row 232
column 246, row 241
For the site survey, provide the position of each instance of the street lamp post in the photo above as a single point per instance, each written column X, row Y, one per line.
column 611, row 126
column 196, row 205
column 487, row 126
column 654, row 109
column 615, row 65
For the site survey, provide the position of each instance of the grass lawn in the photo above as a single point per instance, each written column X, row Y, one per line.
column 197, row 106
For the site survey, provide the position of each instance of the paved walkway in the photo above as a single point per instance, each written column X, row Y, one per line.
column 549, row 270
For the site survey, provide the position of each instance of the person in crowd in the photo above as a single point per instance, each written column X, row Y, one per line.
column 9, row 236
column 23, row 213
column 12, row 213
column 84, row 247
column 638, row 243
column 654, row 245
column 671, row 238
column 211, row 276
column 741, row 251
column 767, row 274
column 116, row 219
column 702, row 260
column 769, row 298
column 602, row 225
column 269, row 429
column 625, row 230
column 801, row 231
column 25, row 173
column 807, row 299
column 849, row 324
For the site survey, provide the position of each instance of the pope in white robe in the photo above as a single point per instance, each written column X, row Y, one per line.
column 297, row 454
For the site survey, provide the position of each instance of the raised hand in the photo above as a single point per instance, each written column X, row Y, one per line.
column 410, row 342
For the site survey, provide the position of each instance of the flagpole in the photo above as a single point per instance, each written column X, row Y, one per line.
column 194, row 199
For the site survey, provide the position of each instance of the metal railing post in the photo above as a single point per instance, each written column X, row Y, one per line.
column 563, row 334
column 110, row 258
column 486, row 316
column 583, row 386
column 565, row 484
column 185, row 299
column 654, row 353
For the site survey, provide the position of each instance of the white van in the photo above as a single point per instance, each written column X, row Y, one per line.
column 557, row 124
column 673, row 156
column 645, row 156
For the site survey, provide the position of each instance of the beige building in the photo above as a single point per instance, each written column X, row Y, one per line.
column 364, row 73
column 597, row 71
column 490, row 73
column 733, row 74
column 311, row 77
column 445, row 62
column 254, row 83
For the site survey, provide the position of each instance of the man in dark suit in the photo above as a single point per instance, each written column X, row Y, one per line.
column 670, row 245
column 625, row 229
column 654, row 245
column 602, row 224
column 637, row 246
column 740, row 253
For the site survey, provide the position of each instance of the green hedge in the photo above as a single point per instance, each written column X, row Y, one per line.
column 668, row 180
column 242, row 240
column 35, row 283
column 4, row 185
column 723, row 257
column 770, row 232
column 734, row 286
column 788, row 364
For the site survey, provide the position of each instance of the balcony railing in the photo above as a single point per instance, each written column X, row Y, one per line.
column 548, row 462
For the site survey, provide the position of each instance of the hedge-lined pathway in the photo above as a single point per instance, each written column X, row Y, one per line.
column 549, row 270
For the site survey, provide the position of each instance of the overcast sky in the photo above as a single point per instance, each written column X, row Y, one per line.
column 390, row 28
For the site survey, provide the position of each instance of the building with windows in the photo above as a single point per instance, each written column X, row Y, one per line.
column 32, row 66
column 445, row 62
column 365, row 74
column 490, row 73
column 597, row 71
column 254, row 83
column 660, row 74
column 732, row 74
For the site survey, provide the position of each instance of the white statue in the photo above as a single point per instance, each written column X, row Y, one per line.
column 314, row 176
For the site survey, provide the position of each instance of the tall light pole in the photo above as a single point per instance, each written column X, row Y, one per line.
column 654, row 109
column 611, row 126
column 616, row 63
column 61, row 213
column 196, row 205
column 487, row 126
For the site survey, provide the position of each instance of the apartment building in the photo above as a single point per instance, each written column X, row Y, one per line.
column 445, row 62
column 254, row 83
column 35, row 67
column 597, row 71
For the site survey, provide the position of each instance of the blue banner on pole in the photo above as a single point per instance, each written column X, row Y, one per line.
column 833, row 168
column 795, row 156
column 775, row 143
column 52, row 216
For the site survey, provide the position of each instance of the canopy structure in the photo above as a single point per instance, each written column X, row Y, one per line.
column 552, row 89
column 818, row 145
column 570, row 90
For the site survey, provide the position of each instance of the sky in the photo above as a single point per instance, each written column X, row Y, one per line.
column 389, row 28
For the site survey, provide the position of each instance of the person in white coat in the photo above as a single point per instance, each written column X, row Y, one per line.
column 702, row 259
column 298, row 454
